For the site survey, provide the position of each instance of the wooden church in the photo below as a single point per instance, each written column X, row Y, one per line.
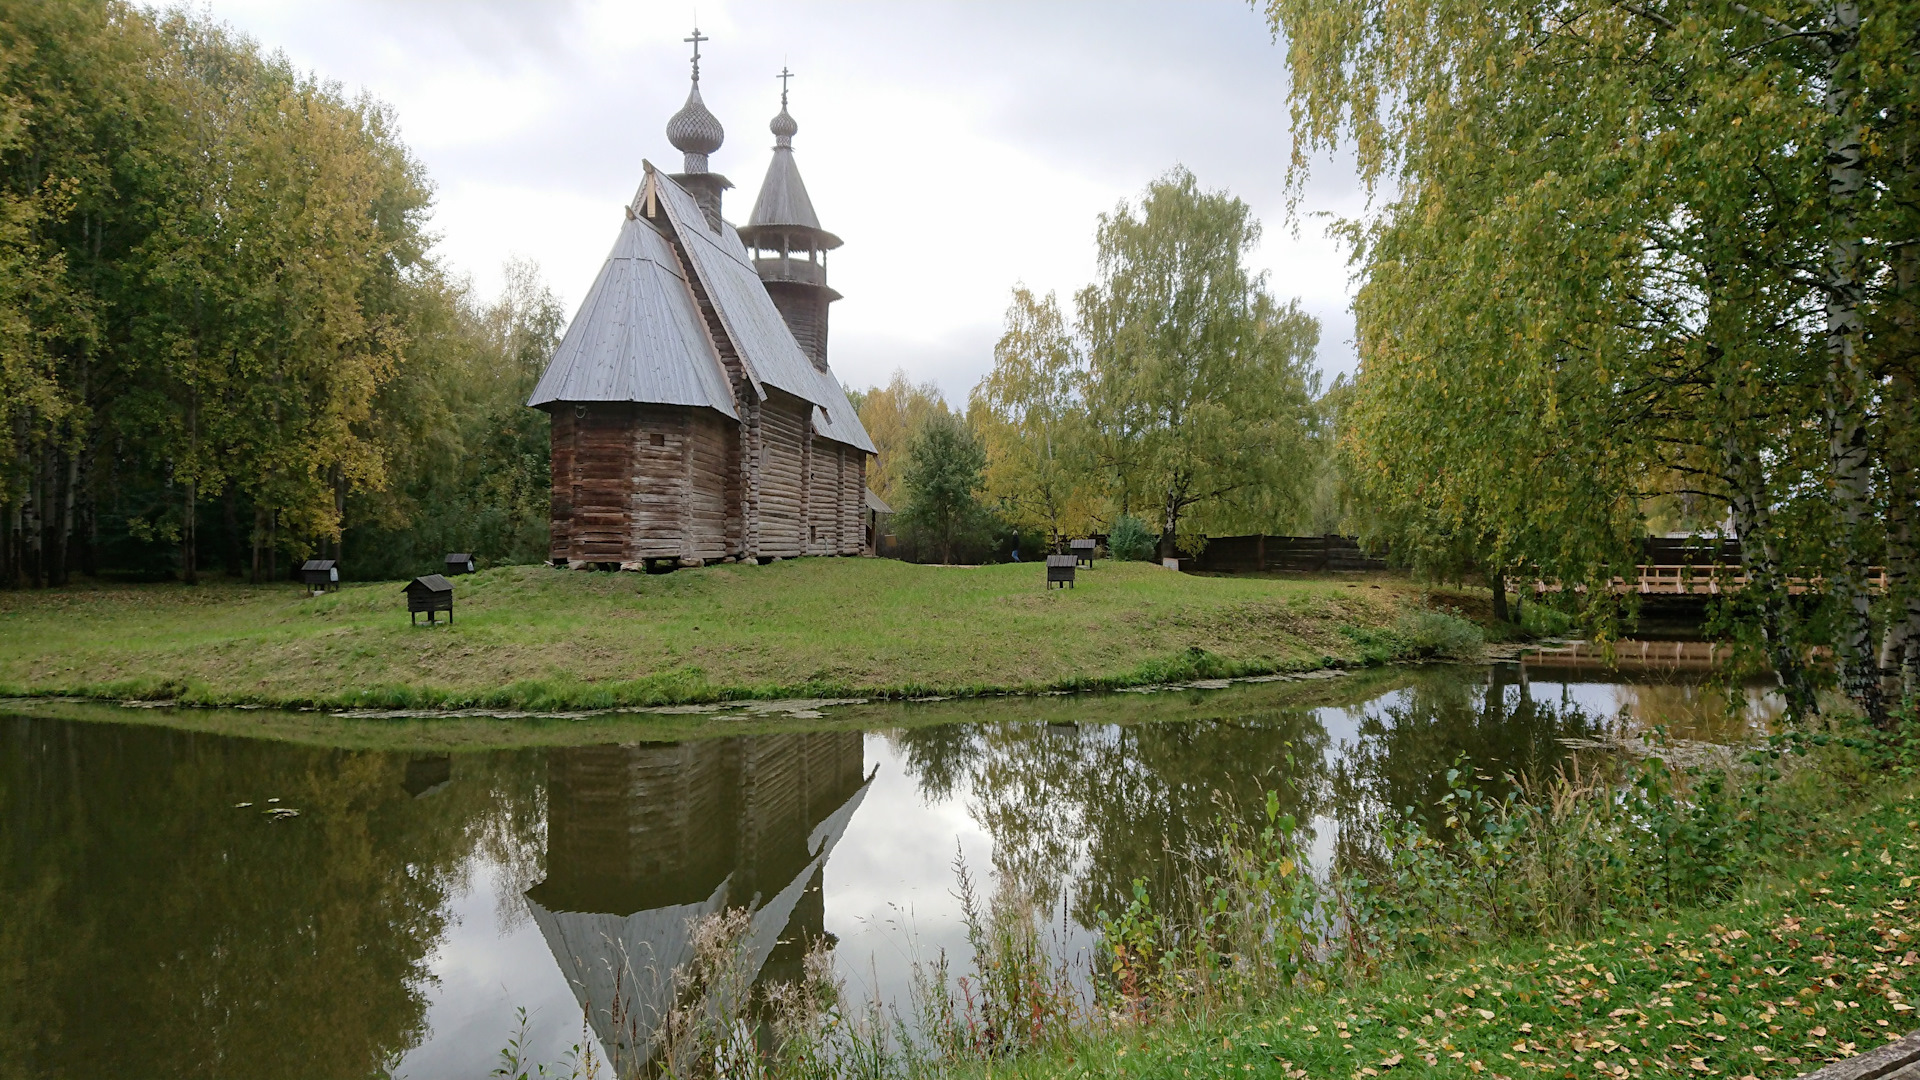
column 694, row 416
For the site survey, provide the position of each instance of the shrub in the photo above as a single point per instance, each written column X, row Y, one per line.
column 1435, row 635
column 1131, row 539
column 1423, row 635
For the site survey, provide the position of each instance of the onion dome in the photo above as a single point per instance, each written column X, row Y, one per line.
column 694, row 131
column 783, row 127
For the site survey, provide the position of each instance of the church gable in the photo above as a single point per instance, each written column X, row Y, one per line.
column 751, row 320
column 637, row 336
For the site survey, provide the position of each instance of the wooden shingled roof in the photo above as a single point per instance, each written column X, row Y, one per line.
column 639, row 337
column 784, row 203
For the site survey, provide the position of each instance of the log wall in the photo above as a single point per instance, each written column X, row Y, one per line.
column 836, row 504
column 805, row 312
column 853, row 505
column 781, row 480
column 1308, row 554
column 636, row 482
column 823, row 498
column 592, row 466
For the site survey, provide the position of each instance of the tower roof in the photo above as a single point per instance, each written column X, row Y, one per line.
column 783, row 203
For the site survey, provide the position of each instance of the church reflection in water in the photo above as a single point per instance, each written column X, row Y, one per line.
column 645, row 839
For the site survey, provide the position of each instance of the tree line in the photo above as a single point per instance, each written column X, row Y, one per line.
column 1176, row 398
column 1639, row 267
column 222, row 340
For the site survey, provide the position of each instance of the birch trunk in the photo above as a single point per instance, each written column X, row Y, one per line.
column 1850, row 460
column 1900, row 652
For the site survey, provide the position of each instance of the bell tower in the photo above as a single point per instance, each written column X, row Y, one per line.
column 788, row 245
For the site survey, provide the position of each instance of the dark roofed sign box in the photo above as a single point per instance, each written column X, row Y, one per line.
column 318, row 574
column 430, row 594
column 459, row 562
column 1060, row 571
column 1083, row 551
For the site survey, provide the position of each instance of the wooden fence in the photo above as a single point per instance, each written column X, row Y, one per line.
column 1306, row 554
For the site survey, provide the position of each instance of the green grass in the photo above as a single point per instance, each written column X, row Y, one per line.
column 1795, row 971
column 531, row 637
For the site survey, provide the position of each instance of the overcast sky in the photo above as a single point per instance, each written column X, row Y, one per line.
column 957, row 148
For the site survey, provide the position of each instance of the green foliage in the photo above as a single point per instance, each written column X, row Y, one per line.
column 1422, row 635
column 228, row 342
column 1131, row 539
column 1575, row 856
column 1028, row 415
column 473, row 457
column 1180, row 390
column 893, row 415
column 1200, row 385
column 1564, row 332
column 942, row 480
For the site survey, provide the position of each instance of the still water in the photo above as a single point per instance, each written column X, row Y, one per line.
column 162, row 914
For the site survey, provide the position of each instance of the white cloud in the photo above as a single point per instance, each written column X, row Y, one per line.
column 958, row 148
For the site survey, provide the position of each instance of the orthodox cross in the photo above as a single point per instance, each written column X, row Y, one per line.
column 783, row 77
column 697, row 38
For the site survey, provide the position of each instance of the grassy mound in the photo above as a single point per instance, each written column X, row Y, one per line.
column 534, row 637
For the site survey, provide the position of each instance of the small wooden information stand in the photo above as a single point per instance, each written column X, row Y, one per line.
column 431, row 594
column 1060, row 571
column 319, row 574
column 1082, row 551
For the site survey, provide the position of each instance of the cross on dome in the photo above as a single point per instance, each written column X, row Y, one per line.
column 783, row 126
column 697, row 38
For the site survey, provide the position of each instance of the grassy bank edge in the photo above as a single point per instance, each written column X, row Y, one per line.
column 1547, row 998
column 684, row 686
column 482, row 732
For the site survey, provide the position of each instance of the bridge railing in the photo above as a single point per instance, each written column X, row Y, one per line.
column 1711, row 579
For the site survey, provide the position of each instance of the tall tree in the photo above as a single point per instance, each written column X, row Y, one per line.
column 1200, row 384
column 1027, row 412
column 893, row 415
column 1626, row 258
column 942, row 481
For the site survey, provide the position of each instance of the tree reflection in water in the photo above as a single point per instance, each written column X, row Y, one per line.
column 1086, row 809
column 1407, row 741
column 150, row 927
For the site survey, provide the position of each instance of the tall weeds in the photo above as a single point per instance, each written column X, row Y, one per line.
column 1576, row 853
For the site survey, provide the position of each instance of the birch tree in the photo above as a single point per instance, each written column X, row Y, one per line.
column 1199, row 386
column 1624, row 257
column 1028, row 416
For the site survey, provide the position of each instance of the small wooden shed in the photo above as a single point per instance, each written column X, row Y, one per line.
column 1060, row 571
column 459, row 562
column 1082, row 551
column 319, row 574
column 430, row 594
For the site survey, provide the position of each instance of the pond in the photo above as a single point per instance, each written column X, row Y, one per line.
column 182, row 903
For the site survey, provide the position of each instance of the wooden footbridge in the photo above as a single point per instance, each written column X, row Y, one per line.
column 1703, row 568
